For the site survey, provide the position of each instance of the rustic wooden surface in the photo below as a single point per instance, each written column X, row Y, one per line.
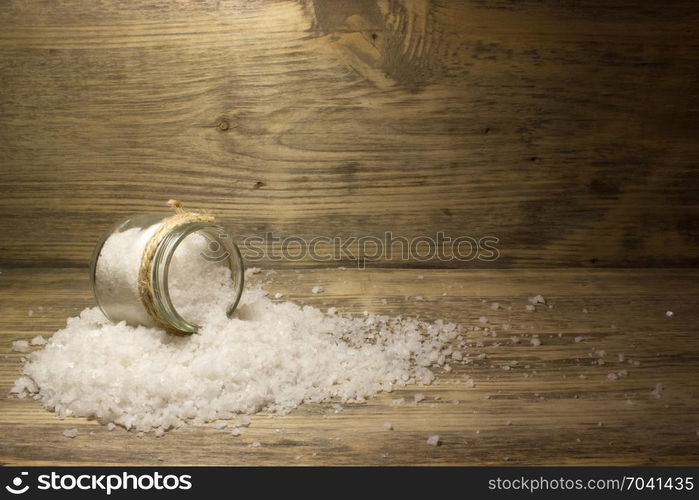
column 566, row 129
column 553, row 414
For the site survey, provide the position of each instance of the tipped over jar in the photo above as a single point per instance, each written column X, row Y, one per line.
column 170, row 271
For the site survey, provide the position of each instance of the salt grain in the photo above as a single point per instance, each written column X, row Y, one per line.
column 243, row 421
column 530, row 308
column 418, row 397
column 658, row 391
column 235, row 431
column 388, row 426
column 23, row 386
column 433, row 440
column 317, row 289
column 38, row 340
column 537, row 299
column 669, row 314
column 111, row 426
column 70, row 433
column 20, row 346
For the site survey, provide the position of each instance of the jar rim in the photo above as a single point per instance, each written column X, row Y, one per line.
column 161, row 268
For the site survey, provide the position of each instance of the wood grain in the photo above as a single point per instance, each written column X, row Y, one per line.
column 567, row 130
column 538, row 412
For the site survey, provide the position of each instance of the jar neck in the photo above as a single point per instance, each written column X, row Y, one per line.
column 160, row 270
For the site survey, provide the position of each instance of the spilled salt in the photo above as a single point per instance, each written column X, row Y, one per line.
column 658, row 391
column 20, row 346
column 269, row 356
column 537, row 299
column 70, row 433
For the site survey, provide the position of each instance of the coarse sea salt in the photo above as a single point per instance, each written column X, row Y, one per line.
column 20, row 346
column 537, row 299
column 38, row 340
column 70, row 433
column 269, row 356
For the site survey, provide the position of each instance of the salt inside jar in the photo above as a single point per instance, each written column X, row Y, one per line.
column 145, row 268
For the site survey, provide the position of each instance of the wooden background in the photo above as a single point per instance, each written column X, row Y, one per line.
column 566, row 129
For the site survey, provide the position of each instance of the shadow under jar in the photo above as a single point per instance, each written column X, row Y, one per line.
column 190, row 267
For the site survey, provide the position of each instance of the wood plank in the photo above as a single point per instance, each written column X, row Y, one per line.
column 567, row 131
column 538, row 412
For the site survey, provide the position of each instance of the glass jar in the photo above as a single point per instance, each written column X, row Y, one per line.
column 131, row 266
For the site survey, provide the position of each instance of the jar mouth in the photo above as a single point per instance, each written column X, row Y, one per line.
column 161, row 269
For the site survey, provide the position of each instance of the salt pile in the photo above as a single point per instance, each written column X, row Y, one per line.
column 271, row 356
